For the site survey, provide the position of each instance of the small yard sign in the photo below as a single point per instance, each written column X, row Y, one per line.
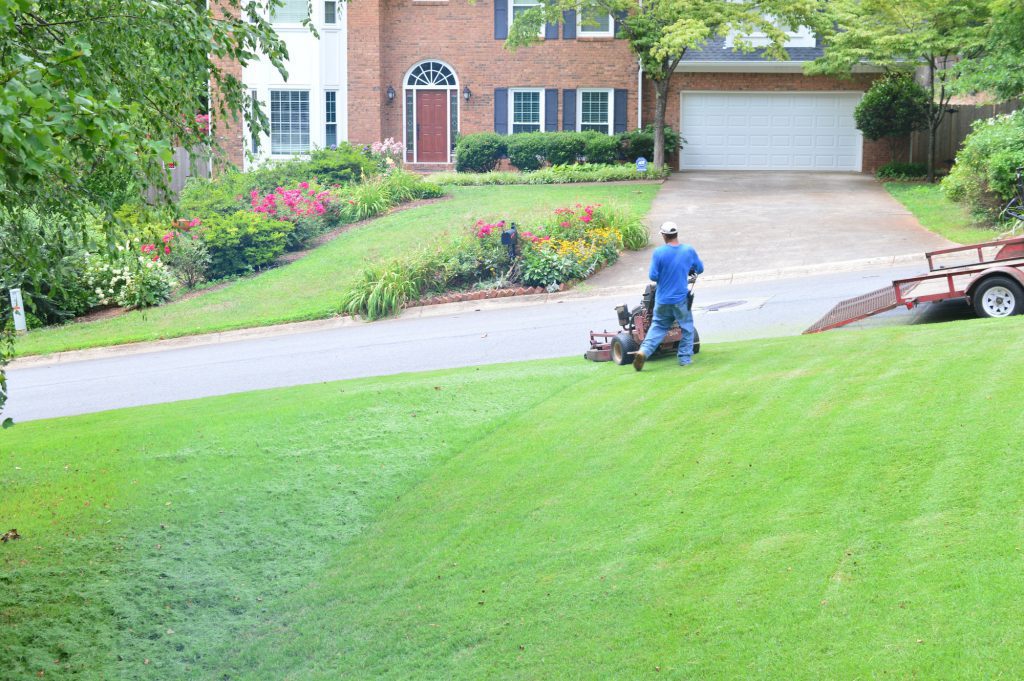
column 19, row 310
column 641, row 165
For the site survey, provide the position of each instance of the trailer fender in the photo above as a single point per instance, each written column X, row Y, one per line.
column 1013, row 272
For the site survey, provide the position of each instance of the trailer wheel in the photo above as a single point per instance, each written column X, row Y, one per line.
column 696, row 341
column 623, row 347
column 998, row 297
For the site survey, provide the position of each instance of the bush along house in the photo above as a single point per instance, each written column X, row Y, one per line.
column 424, row 71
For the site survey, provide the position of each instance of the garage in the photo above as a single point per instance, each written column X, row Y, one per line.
column 769, row 131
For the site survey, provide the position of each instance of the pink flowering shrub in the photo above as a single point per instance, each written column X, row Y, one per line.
column 310, row 210
column 387, row 154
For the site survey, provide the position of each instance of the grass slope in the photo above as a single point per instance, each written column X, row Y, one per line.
column 839, row 506
column 310, row 288
column 938, row 214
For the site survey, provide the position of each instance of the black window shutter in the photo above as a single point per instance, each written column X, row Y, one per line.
column 619, row 16
column 501, row 110
column 568, row 109
column 569, row 24
column 500, row 19
column 550, row 31
column 620, row 110
column 550, row 110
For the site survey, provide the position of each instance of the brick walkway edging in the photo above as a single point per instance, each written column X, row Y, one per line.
column 463, row 296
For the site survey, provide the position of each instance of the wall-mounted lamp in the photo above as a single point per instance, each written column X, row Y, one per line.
column 390, row 94
column 466, row 94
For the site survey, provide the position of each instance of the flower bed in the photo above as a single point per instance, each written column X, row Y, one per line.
column 558, row 174
column 569, row 246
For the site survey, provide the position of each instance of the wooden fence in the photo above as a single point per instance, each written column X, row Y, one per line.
column 183, row 166
column 952, row 131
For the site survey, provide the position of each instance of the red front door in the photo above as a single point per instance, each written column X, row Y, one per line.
column 432, row 126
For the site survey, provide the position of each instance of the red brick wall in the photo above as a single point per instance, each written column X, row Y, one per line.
column 462, row 36
column 875, row 154
column 228, row 131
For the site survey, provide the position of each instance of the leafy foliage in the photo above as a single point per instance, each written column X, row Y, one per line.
column 243, row 242
column 189, row 259
column 480, row 152
column 997, row 70
column 527, row 151
column 984, row 173
column 895, row 170
column 894, row 106
column 558, row 174
column 637, row 143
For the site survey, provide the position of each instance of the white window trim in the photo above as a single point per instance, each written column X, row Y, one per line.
column 276, row 23
column 801, row 37
column 611, row 107
column 586, row 31
column 312, row 118
column 512, row 108
column 321, row 9
column 512, row 14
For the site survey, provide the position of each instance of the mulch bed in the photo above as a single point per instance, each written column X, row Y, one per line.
column 463, row 296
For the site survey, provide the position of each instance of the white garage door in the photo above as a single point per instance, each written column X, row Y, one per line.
column 769, row 131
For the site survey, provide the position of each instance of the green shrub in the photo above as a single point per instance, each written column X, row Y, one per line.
column 147, row 284
column 600, row 148
column 636, row 143
column 894, row 170
column 527, row 151
column 479, row 152
column 633, row 230
column 566, row 147
column 983, row 176
column 343, row 165
column 559, row 174
column 403, row 186
column 893, row 107
column 243, row 241
column 367, row 200
column 189, row 259
column 223, row 195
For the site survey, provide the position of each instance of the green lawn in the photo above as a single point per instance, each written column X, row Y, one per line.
column 940, row 215
column 839, row 506
column 310, row 288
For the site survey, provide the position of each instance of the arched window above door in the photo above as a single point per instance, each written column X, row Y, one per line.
column 431, row 74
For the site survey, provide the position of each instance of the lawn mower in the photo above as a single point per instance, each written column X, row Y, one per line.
column 620, row 346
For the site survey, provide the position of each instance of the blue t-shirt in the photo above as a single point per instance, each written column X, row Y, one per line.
column 670, row 267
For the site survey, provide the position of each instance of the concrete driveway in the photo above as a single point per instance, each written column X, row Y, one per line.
column 753, row 221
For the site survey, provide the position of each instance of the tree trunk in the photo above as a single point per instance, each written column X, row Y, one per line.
column 933, row 124
column 660, row 104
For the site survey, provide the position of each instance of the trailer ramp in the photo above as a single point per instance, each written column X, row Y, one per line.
column 855, row 309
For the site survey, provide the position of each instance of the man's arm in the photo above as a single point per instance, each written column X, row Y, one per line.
column 654, row 271
column 698, row 266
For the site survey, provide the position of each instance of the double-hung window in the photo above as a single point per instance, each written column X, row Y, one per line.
column 293, row 12
column 520, row 6
column 289, row 121
column 594, row 110
column 526, row 110
column 331, row 118
column 593, row 23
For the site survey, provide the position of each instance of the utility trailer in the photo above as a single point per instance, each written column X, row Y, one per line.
column 989, row 276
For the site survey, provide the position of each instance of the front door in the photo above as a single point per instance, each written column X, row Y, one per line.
column 432, row 126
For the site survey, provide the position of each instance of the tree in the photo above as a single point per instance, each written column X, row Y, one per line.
column 999, row 69
column 100, row 88
column 905, row 35
column 661, row 31
column 892, row 108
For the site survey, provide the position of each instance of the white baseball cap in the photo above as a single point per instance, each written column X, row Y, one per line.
column 669, row 228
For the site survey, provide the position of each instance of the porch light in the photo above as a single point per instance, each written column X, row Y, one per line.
column 391, row 94
column 466, row 94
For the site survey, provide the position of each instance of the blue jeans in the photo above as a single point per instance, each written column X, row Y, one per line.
column 664, row 315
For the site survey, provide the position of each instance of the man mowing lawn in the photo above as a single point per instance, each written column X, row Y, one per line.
column 671, row 265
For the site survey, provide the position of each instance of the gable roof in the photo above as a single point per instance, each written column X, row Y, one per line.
column 716, row 51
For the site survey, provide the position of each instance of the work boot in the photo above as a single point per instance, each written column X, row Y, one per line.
column 638, row 360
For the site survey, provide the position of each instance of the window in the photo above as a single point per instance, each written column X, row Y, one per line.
column 331, row 118
column 330, row 12
column 255, row 139
column 594, row 23
column 520, row 6
column 527, row 111
column 594, row 111
column 289, row 121
column 293, row 12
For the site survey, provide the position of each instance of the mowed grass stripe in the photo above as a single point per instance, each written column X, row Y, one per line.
column 794, row 508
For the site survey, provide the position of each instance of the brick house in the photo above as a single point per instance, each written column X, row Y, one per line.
column 422, row 71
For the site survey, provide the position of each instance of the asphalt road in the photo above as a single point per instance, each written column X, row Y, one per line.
column 425, row 340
